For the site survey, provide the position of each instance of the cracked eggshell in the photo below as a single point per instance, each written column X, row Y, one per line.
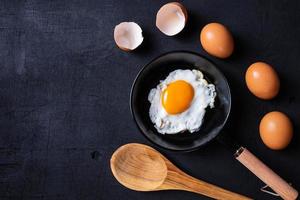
column 128, row 35
column 171, row 18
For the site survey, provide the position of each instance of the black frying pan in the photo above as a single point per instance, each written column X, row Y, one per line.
column 158, row 69
column 214, row 120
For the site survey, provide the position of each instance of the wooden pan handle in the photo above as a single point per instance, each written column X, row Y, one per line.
column 264, row 173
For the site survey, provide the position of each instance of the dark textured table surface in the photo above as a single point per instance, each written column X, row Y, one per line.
column 64, row 93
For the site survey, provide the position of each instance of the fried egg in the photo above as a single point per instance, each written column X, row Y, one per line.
column 178, row 103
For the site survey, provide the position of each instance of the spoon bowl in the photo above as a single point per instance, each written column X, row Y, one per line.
column 152, row 168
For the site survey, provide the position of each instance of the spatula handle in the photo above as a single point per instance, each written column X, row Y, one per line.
column 264, row 173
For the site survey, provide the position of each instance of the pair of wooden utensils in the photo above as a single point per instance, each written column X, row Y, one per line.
column 142, row 168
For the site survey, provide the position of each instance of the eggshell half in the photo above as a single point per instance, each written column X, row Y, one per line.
column 128, row 35
column 171, row 18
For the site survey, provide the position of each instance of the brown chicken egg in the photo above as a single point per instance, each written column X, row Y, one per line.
column 217, row 40
column 276, row 130
column 262, row 80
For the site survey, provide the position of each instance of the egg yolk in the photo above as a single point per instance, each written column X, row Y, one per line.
column 177, row 97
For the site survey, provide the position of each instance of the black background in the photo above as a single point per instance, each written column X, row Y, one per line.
column 64, row 93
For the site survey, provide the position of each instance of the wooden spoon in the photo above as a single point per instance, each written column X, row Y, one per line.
column 142, row 168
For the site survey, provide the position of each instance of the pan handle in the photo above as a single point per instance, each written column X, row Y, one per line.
column 264, row 173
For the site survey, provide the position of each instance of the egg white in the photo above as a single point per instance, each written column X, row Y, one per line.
column 192, row 118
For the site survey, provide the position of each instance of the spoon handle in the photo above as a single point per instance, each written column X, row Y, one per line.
column 181, row 181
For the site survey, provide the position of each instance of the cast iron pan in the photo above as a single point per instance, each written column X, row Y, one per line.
column 159, row 69
column 214, row 120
